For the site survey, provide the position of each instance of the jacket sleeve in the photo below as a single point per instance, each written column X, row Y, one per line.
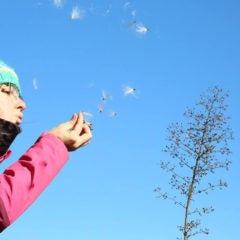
column 24, row 180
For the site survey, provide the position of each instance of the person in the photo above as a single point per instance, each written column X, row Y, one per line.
column 24, row 180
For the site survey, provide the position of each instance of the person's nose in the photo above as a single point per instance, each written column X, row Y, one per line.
column 21, row 104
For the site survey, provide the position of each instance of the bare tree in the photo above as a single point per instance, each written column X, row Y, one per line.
column 197, row 147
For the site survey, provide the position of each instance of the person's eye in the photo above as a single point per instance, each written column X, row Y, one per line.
column 6, row 90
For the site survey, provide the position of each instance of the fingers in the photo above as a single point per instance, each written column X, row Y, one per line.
column 74, row 133
column 87, row 131
column 85, row 136
column 80, row 132
column 76, row 122
column 71, row 122
column 79, row 122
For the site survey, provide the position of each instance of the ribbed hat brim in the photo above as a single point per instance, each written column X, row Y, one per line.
column 8, row 75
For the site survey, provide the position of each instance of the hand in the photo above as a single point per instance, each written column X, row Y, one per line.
column 75, row 133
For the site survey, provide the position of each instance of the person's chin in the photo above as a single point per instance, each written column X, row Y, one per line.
column 18, row 120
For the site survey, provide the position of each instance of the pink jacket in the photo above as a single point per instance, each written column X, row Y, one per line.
column 24, row 180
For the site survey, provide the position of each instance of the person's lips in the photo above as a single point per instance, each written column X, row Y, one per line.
column 19, row 118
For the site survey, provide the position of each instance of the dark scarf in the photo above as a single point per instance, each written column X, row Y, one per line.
column 8, row 132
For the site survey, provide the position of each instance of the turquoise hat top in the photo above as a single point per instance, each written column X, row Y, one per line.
column 8, row 75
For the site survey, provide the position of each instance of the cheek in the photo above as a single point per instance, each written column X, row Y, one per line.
column 5, row 109
column 3, row 114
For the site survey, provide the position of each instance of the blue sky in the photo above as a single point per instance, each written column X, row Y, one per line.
column 170, row 52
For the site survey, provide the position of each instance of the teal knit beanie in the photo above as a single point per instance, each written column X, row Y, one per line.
column 8, row 75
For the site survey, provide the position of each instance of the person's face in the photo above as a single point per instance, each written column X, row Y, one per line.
column 11, row 104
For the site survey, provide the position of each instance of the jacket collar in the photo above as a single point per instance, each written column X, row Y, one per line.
column 8, row 132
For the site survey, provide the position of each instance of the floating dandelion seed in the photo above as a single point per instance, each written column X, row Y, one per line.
column 77, row 13
column 100, row 108
column 108, row 10
column 113, row 114
column 39, row 3
column 129, row 91
column 141, row 29
column 134, row 13
column 89, row 124
column 88, row 114
column 105, row 95
column 58, row 3
column 35, row 85
column 126, row 4
column 132, row 24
